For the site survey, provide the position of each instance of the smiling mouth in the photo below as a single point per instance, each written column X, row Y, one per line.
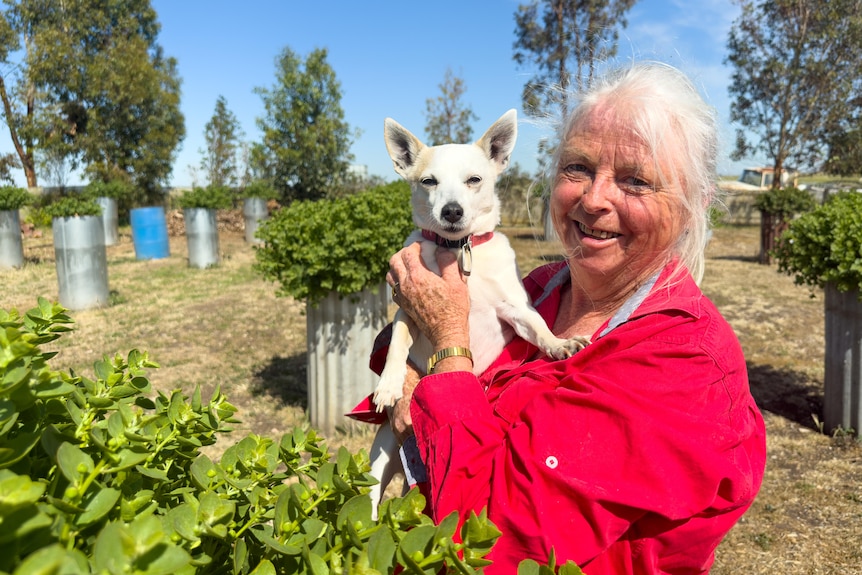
column 594, row 233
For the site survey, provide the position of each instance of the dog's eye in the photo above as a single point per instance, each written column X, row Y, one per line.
column 474, row 181
column 428, row 182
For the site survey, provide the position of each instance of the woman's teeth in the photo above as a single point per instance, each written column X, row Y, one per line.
column 603, row 235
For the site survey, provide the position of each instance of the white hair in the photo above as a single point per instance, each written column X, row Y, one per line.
column 676, row 125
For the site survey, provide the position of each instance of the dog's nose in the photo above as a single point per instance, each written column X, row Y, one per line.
column 452, row 212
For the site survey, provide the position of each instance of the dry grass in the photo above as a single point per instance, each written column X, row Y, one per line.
column 226, row 327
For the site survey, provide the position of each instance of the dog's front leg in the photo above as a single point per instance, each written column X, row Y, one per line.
column 385, row 463
column 390, row 388
column 530, row 325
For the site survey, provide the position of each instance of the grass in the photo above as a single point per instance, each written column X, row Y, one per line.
column 225, row 327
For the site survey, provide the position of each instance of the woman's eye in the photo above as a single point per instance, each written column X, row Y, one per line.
column 634, row 185
column 428, row 182
column 575, row 168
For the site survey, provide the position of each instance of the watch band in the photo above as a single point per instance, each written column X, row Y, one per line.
column 456, row 351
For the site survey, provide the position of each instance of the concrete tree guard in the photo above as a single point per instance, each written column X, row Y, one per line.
column 202, row 237
column 340, row 336
column 842, row 401
column 11, row 245
column 81, row 261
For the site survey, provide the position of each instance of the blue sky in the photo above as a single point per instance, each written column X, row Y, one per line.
column 390, row 57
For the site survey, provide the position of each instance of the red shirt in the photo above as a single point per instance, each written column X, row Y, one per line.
column 636, row 455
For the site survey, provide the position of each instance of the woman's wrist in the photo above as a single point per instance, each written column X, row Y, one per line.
column 452, row 352
column 452, row 363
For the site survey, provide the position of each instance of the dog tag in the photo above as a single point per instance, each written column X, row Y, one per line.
column 465, row 260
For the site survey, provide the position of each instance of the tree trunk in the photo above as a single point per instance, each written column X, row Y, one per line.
column 28, row 162
column 771, row 228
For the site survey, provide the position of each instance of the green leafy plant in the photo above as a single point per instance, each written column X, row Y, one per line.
column 14, row 198
column 210, row 197
column 101, row 475
column 71, row 206
column 784, row 202
column 343, row 245
column 825, row 245
column 116, row 189
column 260, row 189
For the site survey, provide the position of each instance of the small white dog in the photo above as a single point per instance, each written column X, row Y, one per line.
column 454, row 205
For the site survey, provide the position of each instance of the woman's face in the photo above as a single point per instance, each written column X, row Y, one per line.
column 612, row 213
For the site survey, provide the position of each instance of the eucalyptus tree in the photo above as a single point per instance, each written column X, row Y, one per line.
column 796, row 80
column 305, row 151
column 86, row 81
column 220, row 161
column 561, row 40
column 448, row 118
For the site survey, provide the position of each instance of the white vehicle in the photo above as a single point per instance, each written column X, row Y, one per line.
column 757, row 179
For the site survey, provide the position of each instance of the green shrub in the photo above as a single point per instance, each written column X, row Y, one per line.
column 825, row 245
column 343, row 245
column 104, row 476
column 13, row 198
column 211, row 197
column 785, row 202
column 260, row 189
column 71, row 206
column 116, row 189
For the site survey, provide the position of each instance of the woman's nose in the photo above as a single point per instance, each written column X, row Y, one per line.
column 598, row 194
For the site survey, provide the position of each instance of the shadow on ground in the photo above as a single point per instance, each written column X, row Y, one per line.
column 285, row 379
column 787, row 393
column 737, row 258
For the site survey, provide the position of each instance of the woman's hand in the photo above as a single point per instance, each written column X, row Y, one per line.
column 439, row 305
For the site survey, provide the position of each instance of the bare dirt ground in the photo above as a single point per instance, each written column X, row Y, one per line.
column 225, row 327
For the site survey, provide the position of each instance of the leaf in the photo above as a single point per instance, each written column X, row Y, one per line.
column 381, row 550
column 274, row 544
column 265, row 567
column 570, row 568
column 73, row 462
column 128, row 458
column 203, row 470
column 314, row 529
column 157, row 474
column 355, row 510
column 54, row 560
column 116, row 425
column 49, row 388
column 418, row 540
column 17, row 491
column 114, row 549
column 240, row 558
column 183, row 518
column 478, row 535
column 316, row 564
column 100, row 504
column 20, row 523
column 15, row 449
column 214, row 510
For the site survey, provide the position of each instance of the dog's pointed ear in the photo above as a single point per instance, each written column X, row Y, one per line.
column 499, row 141
column 403, row 147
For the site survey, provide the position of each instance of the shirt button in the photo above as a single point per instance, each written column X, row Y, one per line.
column 552, row 462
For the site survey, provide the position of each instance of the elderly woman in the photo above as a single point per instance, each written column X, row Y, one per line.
column 639, row 453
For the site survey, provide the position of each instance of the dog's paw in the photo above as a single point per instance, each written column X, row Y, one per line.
column 569, row 347
column 386, row 396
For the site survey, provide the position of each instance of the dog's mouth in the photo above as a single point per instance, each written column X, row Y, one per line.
column 452, row 231
column 596, row 233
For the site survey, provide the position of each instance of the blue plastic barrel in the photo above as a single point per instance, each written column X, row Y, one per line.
column 149, row 233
